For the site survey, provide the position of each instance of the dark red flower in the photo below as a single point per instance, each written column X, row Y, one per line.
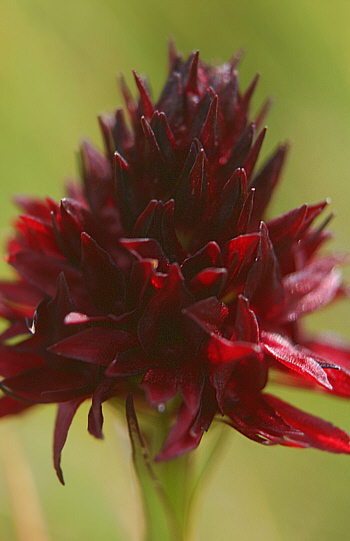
column 158, row 276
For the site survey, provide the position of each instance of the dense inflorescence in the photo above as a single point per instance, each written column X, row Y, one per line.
column 159, row 277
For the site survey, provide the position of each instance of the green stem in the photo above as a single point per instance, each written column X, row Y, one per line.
column 162, row 521
column 168, row 488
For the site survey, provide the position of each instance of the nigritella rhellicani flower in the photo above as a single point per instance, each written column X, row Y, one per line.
column 158, row 276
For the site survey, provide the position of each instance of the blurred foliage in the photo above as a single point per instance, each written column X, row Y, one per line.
column 59, row 62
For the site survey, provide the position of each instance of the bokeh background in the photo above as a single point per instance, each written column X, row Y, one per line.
column 58, row 68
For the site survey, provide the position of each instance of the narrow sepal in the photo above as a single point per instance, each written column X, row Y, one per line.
column 65, row 415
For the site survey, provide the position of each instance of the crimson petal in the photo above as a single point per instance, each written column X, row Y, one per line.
column 294, row 357
column 311, row 431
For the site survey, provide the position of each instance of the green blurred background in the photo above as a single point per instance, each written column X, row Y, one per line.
column 58, row 67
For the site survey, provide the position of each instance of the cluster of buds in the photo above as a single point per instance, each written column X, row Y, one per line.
column 157, row 276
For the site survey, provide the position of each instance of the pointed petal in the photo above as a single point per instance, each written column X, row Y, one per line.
column 180, row 439
column 160, row 386
column 246, row 324
column 65, row 414
column 335, row 350
column 209, row 314
column 104, row 281
column 145, row 99
column 265, row 182
column 310, row 288
column 11, row 406
column 95, row 419
column 163, row 330
column 97, row 345
column 311, row 431
column 251, row 159
column 192, row 81
column 294, row 357
column 221, row 351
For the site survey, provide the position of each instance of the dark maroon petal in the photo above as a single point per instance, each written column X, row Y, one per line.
column 180, row 439
column 294, row 357
column 227, row 210
column 246, row 325
column 208, row 134
column 96, row 169
column 11, row 406
column 65, row 414
column 20, row 292
column 248, row 376
column 49, row 315
column 39, row 235
column 265, row 182
column 95, row 421
column 147, row 249
column 42, row 271
column 257, row 419
column 156, row 165
column 263, row 287
column 129, row 102
column 145, row 220
column 167, row 144
column 14, row 362
column 314, row 210
column 240, row 118
column 191, row 384
column 69, row 222
column 238, row 153
column 160, row 386
column 252, row 157
column 191, row 190
column 140, row 278
column 246, row 213
column 146, row 100
column 208, row 282
column 210, row 314
column 189, row 427
column 36, row 381
column 152, row 223
column 103, row 280
column 131, row 362
column 192, row 81
column 123, row 139
column 239, row 256
column 312, row 241
column 200, row 114
column 242, row 245
column 221, row 351
column 170, row 241
column 127, row 195
column 171, row 99
column 209, row 256
column 35, row 207
column 107, row 124
column 284, row 229
column 163, row 330
column 65, row 395
column 97, row 345
column 15, row 329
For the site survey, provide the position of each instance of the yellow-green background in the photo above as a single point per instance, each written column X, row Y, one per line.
column 58, row 67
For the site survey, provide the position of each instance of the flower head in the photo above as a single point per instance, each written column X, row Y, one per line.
column 158, row 276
